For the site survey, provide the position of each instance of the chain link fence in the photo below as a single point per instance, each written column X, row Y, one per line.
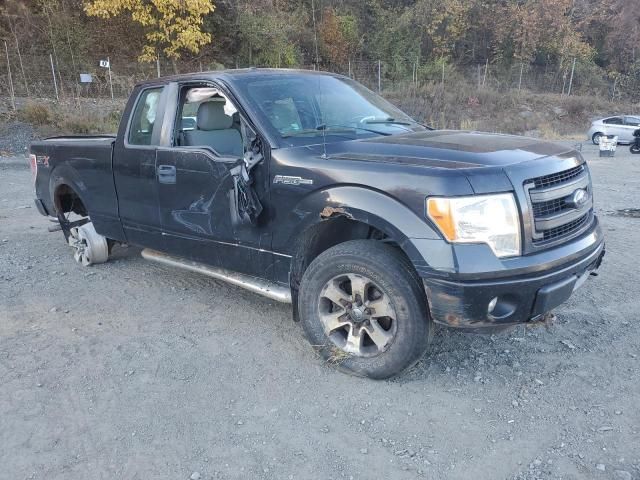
column 43, row 76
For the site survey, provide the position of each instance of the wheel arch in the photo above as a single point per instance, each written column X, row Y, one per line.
column 67, row 192
column 349, row 213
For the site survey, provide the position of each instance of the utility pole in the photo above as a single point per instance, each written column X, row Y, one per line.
column 24, row 77
column 315, row 31
column 520, row 81
column 158, row 65
column 13, row 97
column 573, row 67
column 379, row 77
column 486, row 67
column 110, row 82
column 53, row 72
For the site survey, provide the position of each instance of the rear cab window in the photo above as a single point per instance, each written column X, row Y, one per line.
column 145, row 119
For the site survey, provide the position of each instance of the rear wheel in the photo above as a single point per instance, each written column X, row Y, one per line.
column 634, row 148
column 90, row 247
column 363, row 308
column 596, row 138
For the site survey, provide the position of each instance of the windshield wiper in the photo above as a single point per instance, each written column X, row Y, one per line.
column 333, row 128
column 323, row 126
column 387, row 120
column 304, row 131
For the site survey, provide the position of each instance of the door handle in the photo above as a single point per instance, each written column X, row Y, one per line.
column 166, row 174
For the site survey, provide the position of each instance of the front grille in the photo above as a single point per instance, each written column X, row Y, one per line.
column 557, row 178
column 540, row 209
column 554, row 212
column 565, row 229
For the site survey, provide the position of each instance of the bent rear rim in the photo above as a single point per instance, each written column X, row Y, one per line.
column 357, row 315
column 90, row 247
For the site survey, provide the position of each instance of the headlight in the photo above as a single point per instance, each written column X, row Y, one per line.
column 490, row 219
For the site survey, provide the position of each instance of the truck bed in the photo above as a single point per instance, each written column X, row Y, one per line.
column 85, row 163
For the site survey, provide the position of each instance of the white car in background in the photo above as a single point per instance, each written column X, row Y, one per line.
column 622, row 125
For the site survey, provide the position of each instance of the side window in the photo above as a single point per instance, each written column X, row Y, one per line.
column 613, row 121
column 144, row 117
column 632, row 121
column 206, row 118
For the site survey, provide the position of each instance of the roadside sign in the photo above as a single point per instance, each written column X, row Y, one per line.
column 107, row 64
column 86, row 78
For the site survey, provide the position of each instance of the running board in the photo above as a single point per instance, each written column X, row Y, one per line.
column 256, row 285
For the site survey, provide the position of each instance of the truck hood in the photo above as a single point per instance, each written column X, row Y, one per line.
column 451, row 149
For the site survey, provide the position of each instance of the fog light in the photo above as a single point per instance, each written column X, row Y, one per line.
column 492, row 304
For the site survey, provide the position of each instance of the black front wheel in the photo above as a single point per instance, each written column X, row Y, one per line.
column 595, row 138
column 634, row 148
column 363, row 308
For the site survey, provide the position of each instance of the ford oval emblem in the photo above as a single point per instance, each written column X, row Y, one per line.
column 578, row 198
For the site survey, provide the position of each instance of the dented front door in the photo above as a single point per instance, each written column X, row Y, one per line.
column 195, row 212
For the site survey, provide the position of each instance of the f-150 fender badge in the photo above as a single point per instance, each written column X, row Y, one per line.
column 287, row 180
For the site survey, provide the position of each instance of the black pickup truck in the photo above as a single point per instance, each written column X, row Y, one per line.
column 308, row 188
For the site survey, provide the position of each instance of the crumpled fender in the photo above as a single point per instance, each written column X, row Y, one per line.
column 413, row 234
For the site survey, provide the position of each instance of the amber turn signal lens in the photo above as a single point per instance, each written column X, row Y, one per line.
column 439, row 210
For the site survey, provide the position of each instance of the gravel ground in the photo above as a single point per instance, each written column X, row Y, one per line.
column 135, row 370
column 15, row 138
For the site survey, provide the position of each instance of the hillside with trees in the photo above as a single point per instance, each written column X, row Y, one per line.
column 602, row 35
column 453, row 55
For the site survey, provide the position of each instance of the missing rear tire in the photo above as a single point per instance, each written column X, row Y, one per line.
column 90, row 247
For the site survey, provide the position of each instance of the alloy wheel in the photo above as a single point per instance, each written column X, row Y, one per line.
column 357, row 315
column 90, row 247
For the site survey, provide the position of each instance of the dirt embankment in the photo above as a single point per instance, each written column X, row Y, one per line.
column 460, row 107
column 523, row 113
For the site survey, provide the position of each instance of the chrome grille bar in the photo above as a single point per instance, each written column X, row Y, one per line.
column 561, row 204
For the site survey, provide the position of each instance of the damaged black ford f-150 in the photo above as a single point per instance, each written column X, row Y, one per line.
column 308, row 188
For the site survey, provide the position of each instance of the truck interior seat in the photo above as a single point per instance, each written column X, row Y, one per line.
column 215, row 129
column 236, row 122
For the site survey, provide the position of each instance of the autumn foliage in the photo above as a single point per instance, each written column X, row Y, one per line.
column 601, row 35
column 170, row 26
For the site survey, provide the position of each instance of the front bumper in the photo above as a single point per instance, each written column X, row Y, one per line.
column 522, row 297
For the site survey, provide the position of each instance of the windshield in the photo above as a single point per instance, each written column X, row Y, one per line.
column 305, row 108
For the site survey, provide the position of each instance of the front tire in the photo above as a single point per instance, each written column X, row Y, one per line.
column 363, row 308
column 595, row 138
column 635, row 149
